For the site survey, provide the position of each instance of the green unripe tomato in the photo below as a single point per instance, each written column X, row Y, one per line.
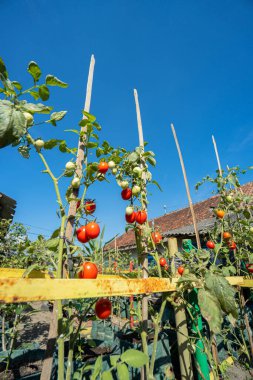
column 70, row 165
column 229, row 198
column 136, row 190
column 129, row 210
column 124, row 184
column 75, row 183
column 186, row 271
column 39, row 143
column 114, row 171
column 28, row 117
column 251, row 230
column 111, row 164
column 137, row 170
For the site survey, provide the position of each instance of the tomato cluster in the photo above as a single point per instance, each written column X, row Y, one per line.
column 88, row 232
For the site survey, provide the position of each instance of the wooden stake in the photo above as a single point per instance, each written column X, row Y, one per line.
column 217, row 155
column 144, row 372
column 187, row 187
column 80, row 153
column 47, row 363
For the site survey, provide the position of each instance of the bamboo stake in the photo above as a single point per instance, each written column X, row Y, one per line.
column 47, row 364
column 144, row 372
column 80, row 153
column 217, row 155
column 187, row 188
column 214, row 345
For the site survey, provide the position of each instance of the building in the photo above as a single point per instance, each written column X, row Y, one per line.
column 179, row 223
column 7, row 207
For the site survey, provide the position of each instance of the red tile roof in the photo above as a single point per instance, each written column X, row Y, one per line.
column 177, row 219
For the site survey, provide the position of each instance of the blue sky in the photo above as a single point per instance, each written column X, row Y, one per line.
column 191, row 62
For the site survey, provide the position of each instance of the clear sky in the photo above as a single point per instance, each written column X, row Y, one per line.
column 192, row 63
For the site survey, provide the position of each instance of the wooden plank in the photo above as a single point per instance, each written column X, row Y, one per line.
column 24, row 290
column 33, row 289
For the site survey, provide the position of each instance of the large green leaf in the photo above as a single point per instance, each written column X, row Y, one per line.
column 97, row 368
column 210, row 309
column 34, row 70
column 122, row 371
column 54, row 81
column 134, row 358
column 225, row 293
column 12, row 123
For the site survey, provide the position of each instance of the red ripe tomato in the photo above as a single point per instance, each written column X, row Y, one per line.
column 103, row 308
column 249, row 267
column 131, row 218
column 232, row 245
column 89, row 270
column 210, row 244
column 92, row 230
column 126, row 194
column 103, row 167
column 89, row 206
column 220, row 213
column 227, row 235
column 156, row 237
column 163, row 262
column 141, row 216
column 180, row 270
column 82, row 235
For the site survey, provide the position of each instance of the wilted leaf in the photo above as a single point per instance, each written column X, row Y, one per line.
column 54, row 81
column 34, row 70
column 24, row 150
column 210, row 309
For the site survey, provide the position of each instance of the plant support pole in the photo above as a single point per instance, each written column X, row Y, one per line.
column 200, row 355
column 217, row 155
column 145, row 259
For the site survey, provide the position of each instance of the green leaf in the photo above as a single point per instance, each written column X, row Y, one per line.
column 34, row 70
column 225, row 293
column 55, row 233
column 73, row 131
column 99, row 152
column 114, row 358
column 3, row 70
column 12, row 123
column 210, row 309
column 56, row 116
column 34, row 94
column 50, row 144
column 122, row 372
column 133, row 157
column 17, row 85
column 107, row 375
column 84, row 122
column 91, row 144
column 157, row 184
column 151, row 160
column 134, row 358
column 54, row 81
column 44, row 92
column 89, row 116
column 188, row 277
column 36, row 108
column 97, row 126
column 52, row 244
column 97, row 368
